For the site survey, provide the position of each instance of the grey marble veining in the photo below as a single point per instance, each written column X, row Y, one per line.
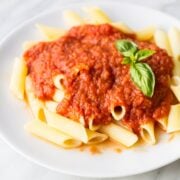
column 12, row 165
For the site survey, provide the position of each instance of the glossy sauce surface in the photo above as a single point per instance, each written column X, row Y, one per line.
column 95, row 77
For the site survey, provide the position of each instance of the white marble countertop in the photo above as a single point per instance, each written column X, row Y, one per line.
column 12, row 165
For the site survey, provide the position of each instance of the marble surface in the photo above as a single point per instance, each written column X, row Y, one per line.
column 12, row 165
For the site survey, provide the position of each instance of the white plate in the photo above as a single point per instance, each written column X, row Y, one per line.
column 14, row 114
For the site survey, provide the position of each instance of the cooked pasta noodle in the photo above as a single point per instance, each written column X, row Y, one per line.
column 46, row 132
column 96, row 15
column 147, row 133
column 146, row 33
column 18, row 78
column 50, row 33
column 173, row 119
column 118, row 112
column 120, row 134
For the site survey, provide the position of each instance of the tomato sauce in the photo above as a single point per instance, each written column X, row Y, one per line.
column 95, row 77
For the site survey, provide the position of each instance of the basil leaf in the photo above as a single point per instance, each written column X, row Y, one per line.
column 143, row 76
column 143, row 54
column 126, row 60
column 126, row 47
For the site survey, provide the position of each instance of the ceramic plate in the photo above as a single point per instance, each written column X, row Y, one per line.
column 14, row 114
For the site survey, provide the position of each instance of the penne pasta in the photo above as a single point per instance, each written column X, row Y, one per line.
column 72, row 19
column 174, row 38
column 96, row 137
column 163, row 123
column 46, row 132
column 122, row 27
column 73, row 128
column 146, row 33
column 58, row 95
column 175, row 86
column 120, row 134
column 161, row 40
column 50, row 33
column 174, row 119
column 35, row 104
column 92, row 126
column 58, row 81
column 147, row 133
column 51, row 106
column 118, row 112
column 17, row 84
column 97, row 15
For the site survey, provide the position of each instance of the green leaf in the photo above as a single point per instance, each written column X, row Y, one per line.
column 143, row 54
column 126, row 47
column 126, row 60
column 143, row 76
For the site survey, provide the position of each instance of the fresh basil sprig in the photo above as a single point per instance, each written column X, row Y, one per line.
column 141, row 73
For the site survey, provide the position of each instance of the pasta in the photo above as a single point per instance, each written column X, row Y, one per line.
column 72, row 19
column 123, row 27
column 161, row 39
column 173, row 119
column 92, row 126
column 73, row 128
column 120, row 134
column 96, row 82
column 163, row 123
column 147, row 133
column 118, row 112
column 174, row 38
column 51, row 106
column 42, row 130
column 146, row 33
column 175, row 86
column 18, row 78
column 58, row 81
column 96, row 15
column 35, row 104
column 50, row 33
column 58, row 95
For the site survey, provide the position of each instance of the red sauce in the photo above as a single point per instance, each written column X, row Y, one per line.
column 101, row 79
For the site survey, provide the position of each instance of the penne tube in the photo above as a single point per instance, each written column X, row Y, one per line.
column 120, row 134
column 28, row 44
column 146, row 33
column 17, row 84
column 162, row 40
column 174, row 38
column 58, row 95
column 46, row 132
column 97, row 15
column 67, row 126
column 50, row 33
column 51, row 106
column 175, row 86
column 73, row 128
column 35, row 104
column 118, row 112
column 122, row 27
column 58, row 81
column 92, row 126
column 163, row 123
column 147, row 133
column 174, row 119
column 96, row 137
column 72, row 19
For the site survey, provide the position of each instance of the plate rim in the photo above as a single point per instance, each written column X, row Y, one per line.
column 18, row 150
